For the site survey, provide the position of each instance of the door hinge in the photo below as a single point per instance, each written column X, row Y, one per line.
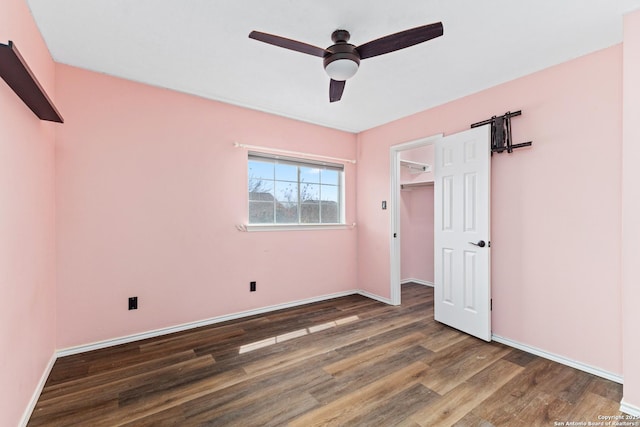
column 491, row 305
column 395, row 235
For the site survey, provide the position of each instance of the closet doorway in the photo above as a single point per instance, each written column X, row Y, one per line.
column 412, row 214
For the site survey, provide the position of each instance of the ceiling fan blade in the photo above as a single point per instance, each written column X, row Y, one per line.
column 400, row 40
column 287, row 43
column 336, row 88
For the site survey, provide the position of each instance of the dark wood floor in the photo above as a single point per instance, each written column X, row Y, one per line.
column 349, row 361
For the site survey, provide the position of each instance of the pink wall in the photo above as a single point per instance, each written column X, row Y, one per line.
column 27, row 242
column 631, row 209
column 416, row 233
column 556, row 207
column 149, row 191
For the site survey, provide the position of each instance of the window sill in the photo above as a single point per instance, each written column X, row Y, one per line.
column 294, row 227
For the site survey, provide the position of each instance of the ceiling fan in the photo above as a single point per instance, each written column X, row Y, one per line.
column 341, row 60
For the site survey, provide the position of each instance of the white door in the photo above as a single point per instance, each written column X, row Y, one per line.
column 462, row 231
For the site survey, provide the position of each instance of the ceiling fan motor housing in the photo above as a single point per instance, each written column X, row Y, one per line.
column 341, row 61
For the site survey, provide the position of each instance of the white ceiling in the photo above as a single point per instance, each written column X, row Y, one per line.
column 202, row 47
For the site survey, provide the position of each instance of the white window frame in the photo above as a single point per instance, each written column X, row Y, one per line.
column 300, row 162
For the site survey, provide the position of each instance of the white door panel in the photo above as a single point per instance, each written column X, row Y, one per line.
column 462, row 225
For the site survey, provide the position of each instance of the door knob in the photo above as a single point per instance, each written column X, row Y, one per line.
column 481, row 243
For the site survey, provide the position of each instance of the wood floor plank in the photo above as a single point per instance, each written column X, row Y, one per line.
column 282, row 361
column 266, row 395
column 90, row 413
column 359, row 401
column 370, row 356
column 168, row 418
column 365, row 374
column 454, row 405
column 227, row 391
column 78, row 398
column 203, row 336
column 606, row 389
column 371, row 341
column 543, row 410
column 396, row 407
column 346, row 361
column 146, row 406
column 463, row 367
column 442, row 337
column 503, row 406
column 85, row 384
column 472, row 420
column 542, row 378
column 520, row 357
column 567, row 384
column 290, row 404
column 592, row 407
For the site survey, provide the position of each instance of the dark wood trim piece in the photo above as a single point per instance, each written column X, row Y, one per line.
column 15, row 71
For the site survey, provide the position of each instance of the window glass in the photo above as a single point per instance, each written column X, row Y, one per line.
column 286, row 172
column 329, row 192
column 310, row 212
column 261, row 170
column 294, row 191
column 330, row 177
column 310, row 175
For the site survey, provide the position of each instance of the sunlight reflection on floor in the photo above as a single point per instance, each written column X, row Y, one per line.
column 295, row 334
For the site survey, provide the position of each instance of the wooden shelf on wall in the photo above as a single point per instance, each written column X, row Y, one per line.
column 415, row 167
column 408, row 185
column 15, row 71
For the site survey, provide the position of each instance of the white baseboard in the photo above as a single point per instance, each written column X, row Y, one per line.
column 36, row 393
column 418, row 281
column 375, row 297
column 560, row 359
column 630, row 409
column 211, row 321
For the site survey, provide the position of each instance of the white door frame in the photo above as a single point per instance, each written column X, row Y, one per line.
column 394, row 157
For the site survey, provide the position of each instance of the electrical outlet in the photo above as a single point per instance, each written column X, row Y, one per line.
column 252, row 286
column 133, row 303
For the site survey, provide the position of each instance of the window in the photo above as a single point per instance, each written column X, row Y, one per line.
column 285, row 190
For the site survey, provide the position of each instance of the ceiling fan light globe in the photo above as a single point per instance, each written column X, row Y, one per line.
column 341, row 69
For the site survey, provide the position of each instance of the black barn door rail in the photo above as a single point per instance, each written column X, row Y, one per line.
column 501, row 133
